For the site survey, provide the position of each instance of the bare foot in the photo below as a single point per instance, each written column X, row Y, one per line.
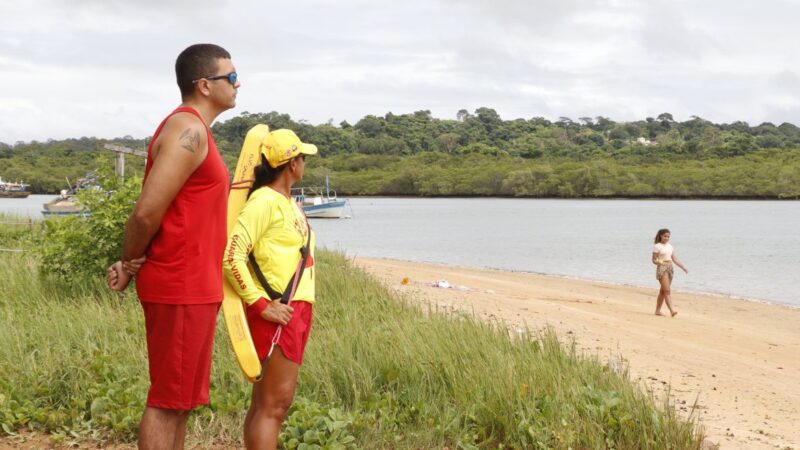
column 674, row 313
column 659, row 313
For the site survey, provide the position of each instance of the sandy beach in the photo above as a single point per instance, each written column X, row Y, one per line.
column 739, row 360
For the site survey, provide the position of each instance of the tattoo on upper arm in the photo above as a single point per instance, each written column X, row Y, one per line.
column 190, row 142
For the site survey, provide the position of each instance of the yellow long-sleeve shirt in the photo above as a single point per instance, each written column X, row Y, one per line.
column 274, row 228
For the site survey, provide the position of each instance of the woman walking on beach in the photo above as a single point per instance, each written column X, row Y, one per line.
column 274, row 228
column 663, row 257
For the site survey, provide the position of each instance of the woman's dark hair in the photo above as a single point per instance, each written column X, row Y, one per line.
column 660, row 233
column 264, row 173
column 195, row 62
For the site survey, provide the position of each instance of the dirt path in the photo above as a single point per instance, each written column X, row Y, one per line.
column 739, row 359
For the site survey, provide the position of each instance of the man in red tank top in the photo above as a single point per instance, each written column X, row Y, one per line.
column 175, row 238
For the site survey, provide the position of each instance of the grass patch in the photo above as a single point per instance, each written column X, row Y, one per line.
column 16, row 232
column 379, row 373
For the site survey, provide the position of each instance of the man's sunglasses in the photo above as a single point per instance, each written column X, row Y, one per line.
column 231, row 77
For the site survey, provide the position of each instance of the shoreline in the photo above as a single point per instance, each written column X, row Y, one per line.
column 623, row 284
column 589, row 280
column 737, row 358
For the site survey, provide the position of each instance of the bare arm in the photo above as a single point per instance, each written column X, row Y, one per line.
column 133, row 266
column 181, row 147
column 655, row 258
column 678, row 263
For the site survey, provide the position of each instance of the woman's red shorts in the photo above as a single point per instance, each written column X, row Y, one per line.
column 180, row 339
column 294, row 334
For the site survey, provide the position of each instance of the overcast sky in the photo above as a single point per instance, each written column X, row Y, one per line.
column 105, row 68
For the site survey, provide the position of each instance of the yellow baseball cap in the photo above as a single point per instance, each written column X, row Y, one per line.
column 282, row 145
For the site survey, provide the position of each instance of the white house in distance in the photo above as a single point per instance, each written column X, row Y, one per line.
column 645, row 141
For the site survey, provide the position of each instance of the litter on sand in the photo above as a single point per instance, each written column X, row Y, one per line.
column 442, row 284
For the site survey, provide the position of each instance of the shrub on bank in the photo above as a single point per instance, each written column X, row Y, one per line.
column 83, row 247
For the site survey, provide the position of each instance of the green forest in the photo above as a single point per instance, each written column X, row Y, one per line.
column 480, row 154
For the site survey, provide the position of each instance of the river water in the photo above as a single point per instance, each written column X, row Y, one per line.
column 30, row 207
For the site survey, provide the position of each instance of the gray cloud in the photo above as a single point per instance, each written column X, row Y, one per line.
column 104, row 67
column 530, row 17
column 667, row 35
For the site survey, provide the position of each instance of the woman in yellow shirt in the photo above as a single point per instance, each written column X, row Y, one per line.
column 274, row 228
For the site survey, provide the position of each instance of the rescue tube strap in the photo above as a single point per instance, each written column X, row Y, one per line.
column 243, row 184
column 287, row 294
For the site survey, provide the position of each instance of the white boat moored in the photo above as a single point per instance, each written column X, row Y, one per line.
column 321, row 204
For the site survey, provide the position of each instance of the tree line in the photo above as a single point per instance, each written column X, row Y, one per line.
column 480, row 154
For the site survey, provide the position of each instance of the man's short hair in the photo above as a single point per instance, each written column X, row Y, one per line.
column 197, row 61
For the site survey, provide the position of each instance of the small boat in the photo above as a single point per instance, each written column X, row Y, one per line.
column 65, row 204
column 321, row 204
column 13, row 190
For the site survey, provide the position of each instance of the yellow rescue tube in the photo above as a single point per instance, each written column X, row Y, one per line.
column 233, row 308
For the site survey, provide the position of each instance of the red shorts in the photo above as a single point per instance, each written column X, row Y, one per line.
column 180, row 339
column 294, row 334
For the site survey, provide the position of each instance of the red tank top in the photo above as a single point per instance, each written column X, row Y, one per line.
column 184, row 259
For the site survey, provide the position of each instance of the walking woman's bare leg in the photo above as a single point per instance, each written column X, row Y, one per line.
column 272, row 397
column 659, row 302
column 667, row 293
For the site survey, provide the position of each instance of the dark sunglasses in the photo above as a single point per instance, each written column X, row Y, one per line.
column 231, row 77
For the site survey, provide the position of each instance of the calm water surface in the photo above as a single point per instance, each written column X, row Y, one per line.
column 747, row 249
column 25, row 207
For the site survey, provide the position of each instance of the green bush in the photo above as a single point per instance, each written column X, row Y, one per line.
column 82, row 247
